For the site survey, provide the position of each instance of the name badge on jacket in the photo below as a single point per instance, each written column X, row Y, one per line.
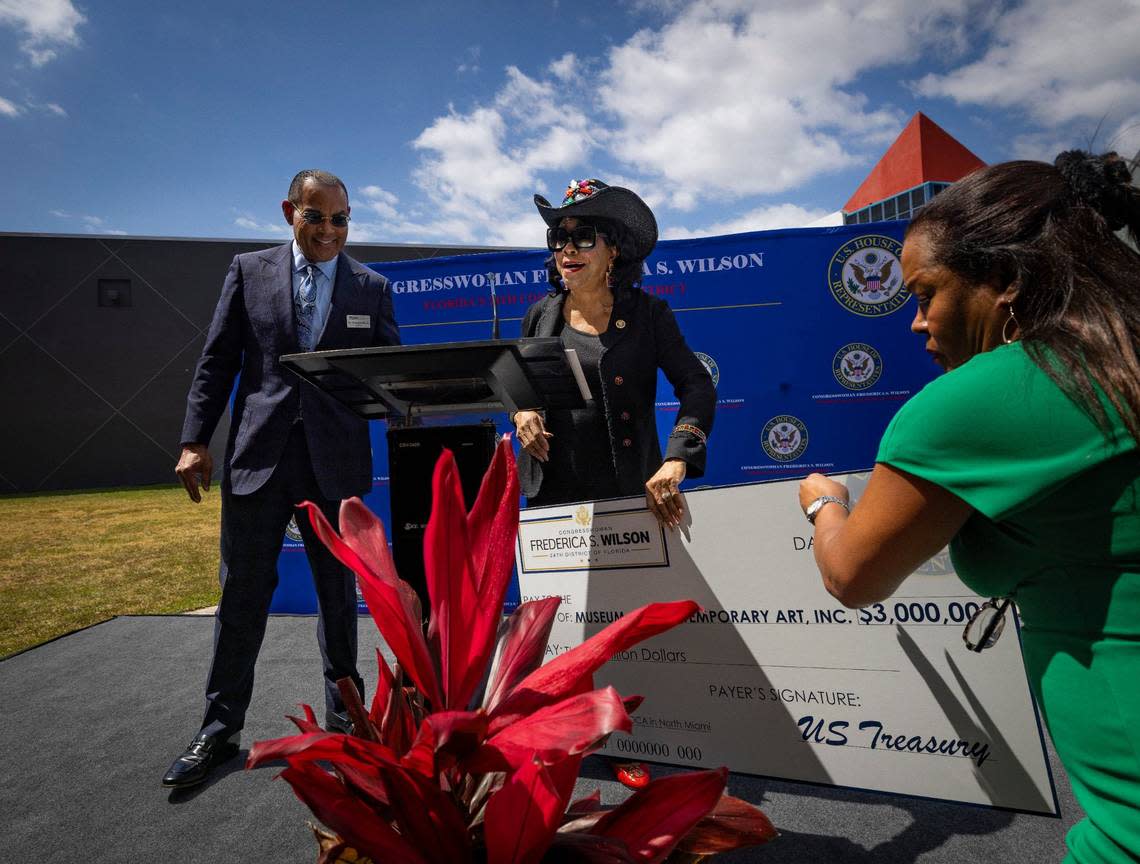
column 359, row 321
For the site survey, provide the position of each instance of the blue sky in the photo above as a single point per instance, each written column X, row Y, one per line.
column 443, row 118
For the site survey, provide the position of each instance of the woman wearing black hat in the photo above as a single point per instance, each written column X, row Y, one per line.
column 599, row 239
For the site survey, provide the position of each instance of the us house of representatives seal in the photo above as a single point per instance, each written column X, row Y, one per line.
column 710, row 366
column 865, row 276
column 857, row 366
column 785, row 438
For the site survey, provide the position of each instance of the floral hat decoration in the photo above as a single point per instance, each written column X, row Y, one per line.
column 592, row 197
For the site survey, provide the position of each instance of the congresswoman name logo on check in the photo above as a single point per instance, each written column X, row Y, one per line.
column 619, row 539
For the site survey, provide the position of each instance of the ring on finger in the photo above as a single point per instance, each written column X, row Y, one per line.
column 666, row 495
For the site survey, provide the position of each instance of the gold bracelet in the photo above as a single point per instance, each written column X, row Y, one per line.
column 691, row 429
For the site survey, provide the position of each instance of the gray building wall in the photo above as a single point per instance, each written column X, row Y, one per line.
column 99, row 336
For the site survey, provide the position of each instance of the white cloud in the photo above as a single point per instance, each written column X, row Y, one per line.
column 1125, row 140
column 564, row 67
column 478, row 169
column 727, row 100
column 9, row 108
column 1058, row 60
column 90, row 224
column 739, row 98
column 48, row 25
column 274, row 229
column 760, row 219
column 53, row 108
column 470, row 62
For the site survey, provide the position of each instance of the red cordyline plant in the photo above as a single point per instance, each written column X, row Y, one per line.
column 458, row 763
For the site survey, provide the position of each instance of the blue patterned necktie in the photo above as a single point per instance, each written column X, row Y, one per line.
column 306, row 304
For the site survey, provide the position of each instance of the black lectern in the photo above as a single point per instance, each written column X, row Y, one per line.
column 404, row 382
column 407, row 381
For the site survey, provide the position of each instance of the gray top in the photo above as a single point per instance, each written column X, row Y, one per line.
column 581, row 466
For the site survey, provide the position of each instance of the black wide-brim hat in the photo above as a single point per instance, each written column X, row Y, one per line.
column 593, row 198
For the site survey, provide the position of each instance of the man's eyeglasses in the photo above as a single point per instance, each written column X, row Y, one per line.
column 583, row 237
column 985, row 625
column 312, row 217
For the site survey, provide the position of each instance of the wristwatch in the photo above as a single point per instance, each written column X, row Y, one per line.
column 815, row 506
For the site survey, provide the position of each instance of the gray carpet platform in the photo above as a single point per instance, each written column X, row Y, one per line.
column 92, row 721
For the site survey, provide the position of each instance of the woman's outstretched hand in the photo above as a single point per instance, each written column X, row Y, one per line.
column 532, row 434
column 663, row 493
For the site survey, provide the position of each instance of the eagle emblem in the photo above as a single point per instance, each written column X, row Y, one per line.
column 857, row 366
column 865, row 275
column 784, row 438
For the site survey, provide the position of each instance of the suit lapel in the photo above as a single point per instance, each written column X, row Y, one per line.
column 550, row 320
column 624, row 311
column 277, row 286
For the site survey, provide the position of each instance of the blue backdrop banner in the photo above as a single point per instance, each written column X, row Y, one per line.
column 804, row 331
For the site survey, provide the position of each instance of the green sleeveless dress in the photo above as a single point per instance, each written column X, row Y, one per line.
column 1056, row 526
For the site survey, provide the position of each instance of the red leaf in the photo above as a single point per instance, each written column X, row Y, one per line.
column 568, row 728
column 551, row 682
column 654, row 820
column 592, row 803
column 524, row 648
column 351, row 819
column 453, row 734
column 309, row 723
column 489, row 505
column 564, row 774
column 587, row 849
column 733, row 824
column 450, row 580
column 387, row 601
column 365, row 783
column 361, row 724
column 522, row 817
column 492, row 527
column 427, row 816
column 385, row 684
column 328, row 746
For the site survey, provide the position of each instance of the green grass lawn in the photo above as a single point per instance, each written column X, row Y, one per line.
column 70, row 560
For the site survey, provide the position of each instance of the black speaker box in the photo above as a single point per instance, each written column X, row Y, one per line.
column 412, row 454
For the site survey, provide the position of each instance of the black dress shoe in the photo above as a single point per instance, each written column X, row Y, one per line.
column 204, row 754
column 335, row 722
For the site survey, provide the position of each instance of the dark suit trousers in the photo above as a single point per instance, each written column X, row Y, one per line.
column 253, row 527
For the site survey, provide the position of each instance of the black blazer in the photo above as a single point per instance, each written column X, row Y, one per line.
column 253, row 326
column 642, row 337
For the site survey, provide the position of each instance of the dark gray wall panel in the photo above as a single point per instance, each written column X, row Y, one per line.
column 117, row 455
column 8, row 335
column 159, row 408
column 188, row 275
column 48, row 415
column 35, row 275
column 138, row 360
column 115, row 350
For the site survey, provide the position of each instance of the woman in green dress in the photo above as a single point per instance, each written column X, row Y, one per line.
column 1024, row 456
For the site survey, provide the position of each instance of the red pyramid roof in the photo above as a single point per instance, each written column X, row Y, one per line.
column 923, row 152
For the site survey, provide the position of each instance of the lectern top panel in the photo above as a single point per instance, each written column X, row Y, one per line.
column 446, row 378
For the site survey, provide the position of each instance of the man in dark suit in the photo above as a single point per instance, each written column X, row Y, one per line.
column 288, row 442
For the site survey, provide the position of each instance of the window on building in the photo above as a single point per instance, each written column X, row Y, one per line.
column 876, row 212
column 917, row 198
column 864, row 215
column 889, row 209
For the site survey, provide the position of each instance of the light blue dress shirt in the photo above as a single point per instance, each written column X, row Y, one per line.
column 325, row 278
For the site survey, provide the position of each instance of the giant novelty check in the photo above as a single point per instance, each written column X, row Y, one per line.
column 773, row 676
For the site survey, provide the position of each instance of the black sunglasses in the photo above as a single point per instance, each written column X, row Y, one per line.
column 583, row 237
column 312, row 217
